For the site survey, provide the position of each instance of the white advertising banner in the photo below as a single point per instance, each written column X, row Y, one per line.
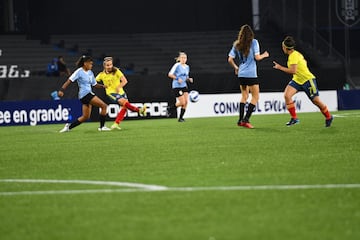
column 213, row 105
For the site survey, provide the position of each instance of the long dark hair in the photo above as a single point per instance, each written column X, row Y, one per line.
column 289, row 43
column 80, row 62
column 243, row 42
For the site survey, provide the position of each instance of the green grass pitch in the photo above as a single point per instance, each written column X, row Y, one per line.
column 216, row 180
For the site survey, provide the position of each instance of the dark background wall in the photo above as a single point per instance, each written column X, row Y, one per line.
column 113, row 16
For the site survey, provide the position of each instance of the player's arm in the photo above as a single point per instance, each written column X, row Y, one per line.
column 171, row 73
column 172, row 76
column 99, row 82
column 123, row 82
column 232, row 63
column 259, row 57
column 63, row 87
column 291, row 70
column 98, row 85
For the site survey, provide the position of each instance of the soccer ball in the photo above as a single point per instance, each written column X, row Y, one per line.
column 194, row 96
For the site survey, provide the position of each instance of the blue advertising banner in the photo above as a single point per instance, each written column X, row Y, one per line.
column 38, row 112
column 349, row 99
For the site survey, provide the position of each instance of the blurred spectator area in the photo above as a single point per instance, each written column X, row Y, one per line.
column 147, row 53
column 152, row 53
column 155, row 52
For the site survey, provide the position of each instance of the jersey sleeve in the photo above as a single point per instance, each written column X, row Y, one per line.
column 256, row 47
column 74, row 75
column 293, row 59
column 173, row 69
column 99, row 77
column 232, row 52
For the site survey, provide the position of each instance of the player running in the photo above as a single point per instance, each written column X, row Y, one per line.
column 179, row 74
column 115, row 81
column 85, row 79
column 302, row 79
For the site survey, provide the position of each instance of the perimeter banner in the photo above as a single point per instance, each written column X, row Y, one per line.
column 218, row 105
column 38, row 112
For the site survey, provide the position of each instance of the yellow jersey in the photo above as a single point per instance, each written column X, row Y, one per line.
column 303, row 73
column 111, row 80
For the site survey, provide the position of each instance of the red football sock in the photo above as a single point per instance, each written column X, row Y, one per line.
column 131, row 107
column 291, row 109
column 326, row 112
column 120, row 115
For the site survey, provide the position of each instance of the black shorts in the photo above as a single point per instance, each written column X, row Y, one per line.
column 180, row 91
column 248, row 81
column 87, row 98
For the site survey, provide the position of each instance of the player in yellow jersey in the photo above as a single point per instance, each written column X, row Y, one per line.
column 115, row 80
column 303, row 80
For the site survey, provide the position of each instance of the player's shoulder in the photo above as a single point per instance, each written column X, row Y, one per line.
column 76, row 74
column 118, row 71
column 297, row 54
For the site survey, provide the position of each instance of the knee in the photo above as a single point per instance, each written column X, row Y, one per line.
column 244, row 96
column 84, row 117
column 287, row 97
column 103, row 109
column 104, row 106
column 122, row 101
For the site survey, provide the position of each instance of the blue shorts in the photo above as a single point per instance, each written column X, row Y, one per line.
column 309, row 87
column 114, row 97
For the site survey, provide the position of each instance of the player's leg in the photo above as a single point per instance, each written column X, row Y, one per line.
column 324, row 110
column 254, row 89
column 96, row 101
column 289, row 92
column 312, row 92
column 244, row 96
column 121, row 114
column 86, row 110
column 125, row 102
column 173, row 106
column 182, row 103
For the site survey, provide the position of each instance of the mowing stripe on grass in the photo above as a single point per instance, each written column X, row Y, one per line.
column 136, row 187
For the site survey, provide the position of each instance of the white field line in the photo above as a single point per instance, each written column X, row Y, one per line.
column 87, row 182
column 342, row 115
column 155, row 188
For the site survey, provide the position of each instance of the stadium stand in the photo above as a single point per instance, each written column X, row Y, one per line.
column 152, row 53
column 155, row 52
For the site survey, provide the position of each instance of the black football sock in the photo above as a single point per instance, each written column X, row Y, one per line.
column 250, row 110
column 182, row 112
column 102, row 120
column 74, row 124
column 241, row 111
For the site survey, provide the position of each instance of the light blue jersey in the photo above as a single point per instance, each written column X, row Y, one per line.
column 181, row 72
column 84, row 79
column 247, row 65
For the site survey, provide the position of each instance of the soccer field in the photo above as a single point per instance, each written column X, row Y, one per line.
column 205, row 179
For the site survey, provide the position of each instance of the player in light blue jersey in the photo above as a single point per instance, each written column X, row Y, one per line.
column 246, row 49
column 86, row 80
column 179, row 73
